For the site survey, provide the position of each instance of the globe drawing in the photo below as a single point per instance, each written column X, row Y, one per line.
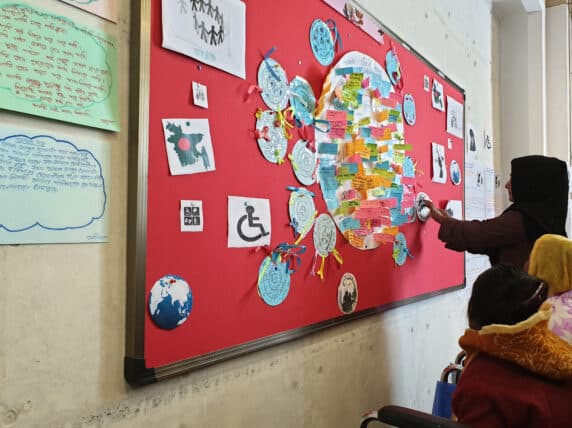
column 170, row 302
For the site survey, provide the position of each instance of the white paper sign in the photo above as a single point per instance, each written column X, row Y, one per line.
column 471, row 143
column 454, row 117
column 455, row 209
column 437, row 100
column 192, row 219
column 210, row 31
column 188, row 144
column 200, row 97
column 248, row 222
column 439, row 166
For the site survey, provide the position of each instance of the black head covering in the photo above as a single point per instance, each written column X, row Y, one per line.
column 540, row 194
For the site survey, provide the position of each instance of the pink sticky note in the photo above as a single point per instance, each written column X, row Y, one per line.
column 389, row 202
column 383, row 237
column 370, row 204
column 338, row 123
column 408, row 181
column 355, row 158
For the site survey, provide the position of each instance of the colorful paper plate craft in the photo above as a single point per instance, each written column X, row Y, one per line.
column 275, row 271
column 423, row 212
column 400, row 250
column 302, row 211
column 364, row 171
column 393, row 68
column 347, row 293
column 325, row 242
column 409, row 109
column 170, row 302
column 302, row 101
column 270, row 136
column 455, row 173
column 304, row 162
column 322, row 42
column 273, row 83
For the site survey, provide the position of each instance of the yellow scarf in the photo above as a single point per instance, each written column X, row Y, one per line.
column 529, row 344
column 551, row 261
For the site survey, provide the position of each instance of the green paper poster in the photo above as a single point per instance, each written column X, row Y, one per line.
column 51, row 67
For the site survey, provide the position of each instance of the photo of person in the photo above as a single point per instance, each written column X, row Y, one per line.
column 439, row 167
column 347, row 293
column 455, row 173
column 437, row 99
column 472, row 140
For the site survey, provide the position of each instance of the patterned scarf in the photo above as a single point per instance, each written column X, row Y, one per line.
column 529, row 344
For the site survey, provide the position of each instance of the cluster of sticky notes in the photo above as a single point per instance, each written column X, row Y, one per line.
column 366, row 176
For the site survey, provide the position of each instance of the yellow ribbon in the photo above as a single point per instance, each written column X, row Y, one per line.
column 294, row 165
column 320, row 272
column 338, row 256
column 283, row 121
column 306, row 227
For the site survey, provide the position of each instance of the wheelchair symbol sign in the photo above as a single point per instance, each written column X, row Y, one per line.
column 248, row 222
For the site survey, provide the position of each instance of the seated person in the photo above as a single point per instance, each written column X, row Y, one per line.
column 551, row 261
column 518, row 372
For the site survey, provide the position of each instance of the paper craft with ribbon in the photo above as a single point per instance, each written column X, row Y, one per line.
column 324, row 242
column 270, row 136
column 273, row 82
column 275, row 271
column 302, row 211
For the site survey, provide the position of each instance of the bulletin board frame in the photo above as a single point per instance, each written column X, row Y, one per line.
column 136, row 371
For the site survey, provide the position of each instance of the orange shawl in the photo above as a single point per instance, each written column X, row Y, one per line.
column 529, row 344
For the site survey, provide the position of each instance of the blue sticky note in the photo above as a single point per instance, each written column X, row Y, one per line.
column 351, row 166
column 375, row 81
column 328, row 148
column 349, row 223
column 332, row 204
column 385, row 88
column 382, row 165
column 365, row 131
column 344, row 70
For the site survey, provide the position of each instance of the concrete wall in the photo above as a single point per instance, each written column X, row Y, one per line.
column 63, row 306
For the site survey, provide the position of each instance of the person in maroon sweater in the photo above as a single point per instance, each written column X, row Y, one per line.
column 518, row 373
column 538, row 188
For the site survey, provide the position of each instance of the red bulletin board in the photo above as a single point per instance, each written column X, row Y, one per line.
column 228, row 316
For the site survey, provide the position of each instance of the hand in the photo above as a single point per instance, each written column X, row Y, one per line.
column 437, row 214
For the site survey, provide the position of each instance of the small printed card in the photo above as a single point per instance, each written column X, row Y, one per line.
column 192, row 216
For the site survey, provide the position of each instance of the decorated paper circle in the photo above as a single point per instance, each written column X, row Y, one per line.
column 274, row 84
column 302, row 100
column 393, row 68
column 322, row 42
column 423, row 212
column 400, row 250
column 324, row 235
column 170, row 302
column 271, row 141
column 347, row 293
column 455, row 173
column 363, row 158
column 409, row 109
column 273, row 281
column 302, row 211
column 304, row 162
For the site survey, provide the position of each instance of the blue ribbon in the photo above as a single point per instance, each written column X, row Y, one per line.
column 266, row 56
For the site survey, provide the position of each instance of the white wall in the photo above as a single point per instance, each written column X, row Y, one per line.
column 63, row 306
column 558, row 81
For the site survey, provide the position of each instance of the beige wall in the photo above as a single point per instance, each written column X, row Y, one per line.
column 63, row 306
